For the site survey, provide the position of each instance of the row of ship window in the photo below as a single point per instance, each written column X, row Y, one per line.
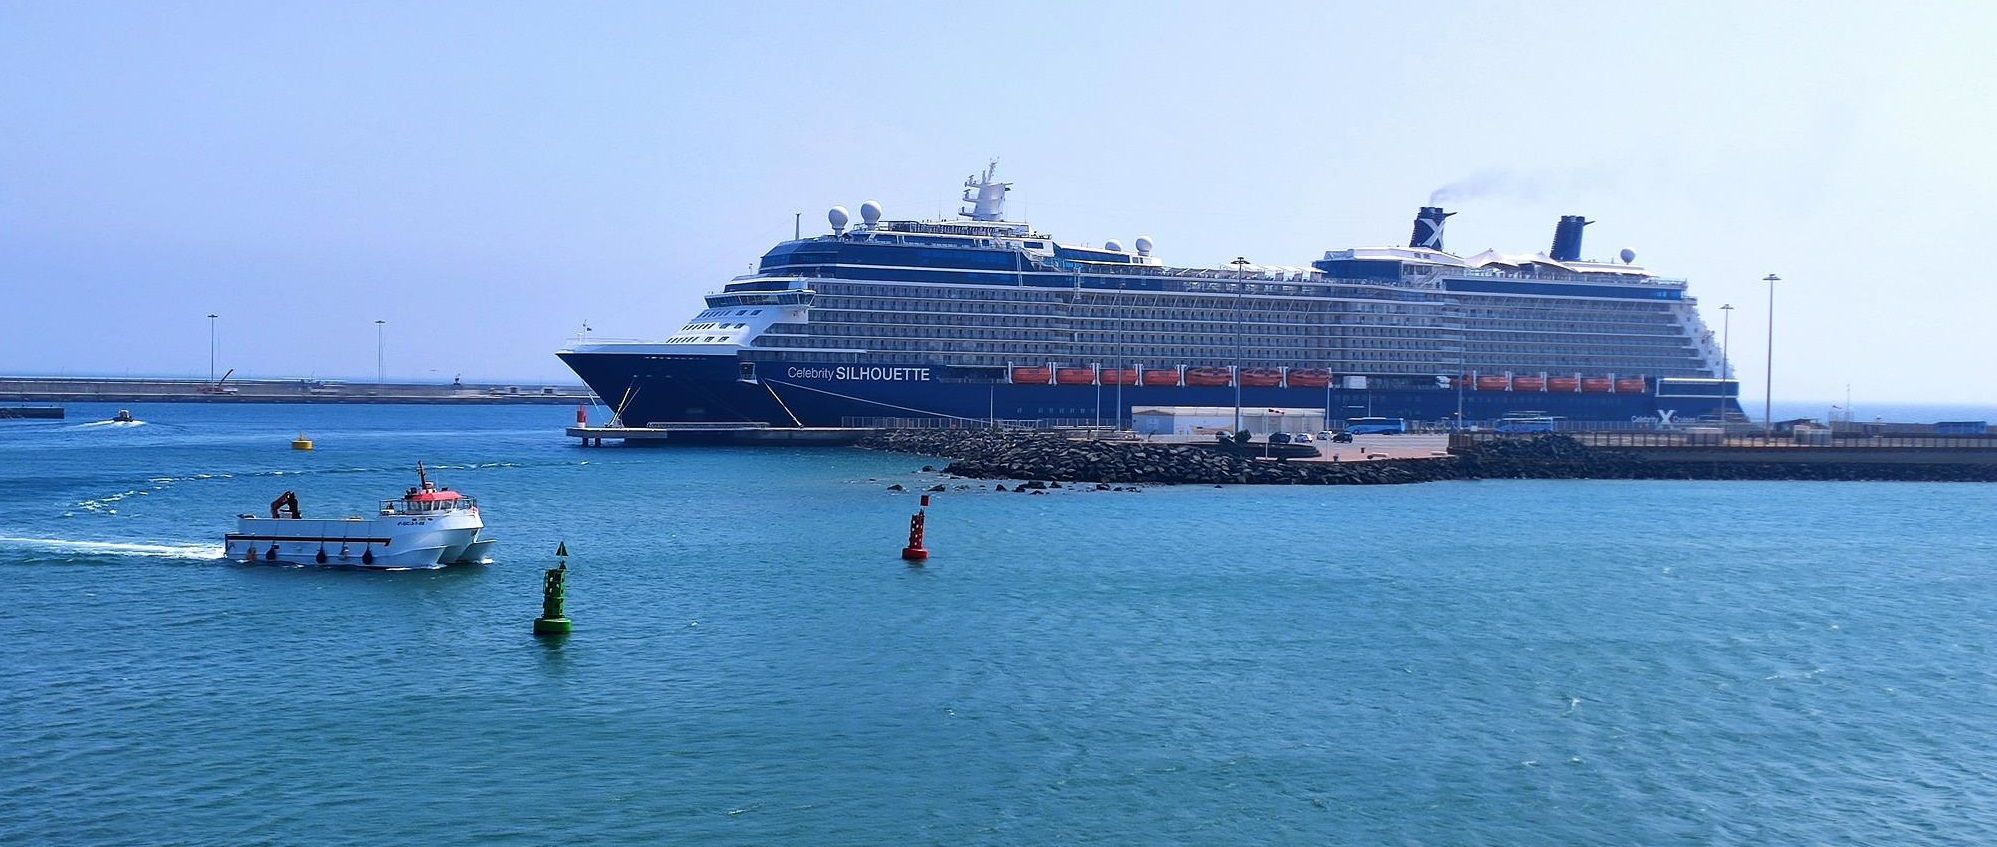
column 1218, row 336
column 1281, row 355
column 1412, row 328
column 904, row 297
column 1354, row 357
column 894, row 310
column 1459, row 303
column 1411, row 366
column 932, row 292
column 1221, row 334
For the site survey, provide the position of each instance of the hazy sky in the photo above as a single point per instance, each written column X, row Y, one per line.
column 486, row 176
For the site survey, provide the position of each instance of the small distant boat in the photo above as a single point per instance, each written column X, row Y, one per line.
column 123, row 416
column 427, row 527
column 301, row 442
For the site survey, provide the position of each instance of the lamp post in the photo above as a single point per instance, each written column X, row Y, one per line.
column 211, row 348
column 1457, row 312
column 378, row 355
column 1122, row 317
column 1726, row 365
column 1768, row 379
column 1240, row 287
column 1098, row 368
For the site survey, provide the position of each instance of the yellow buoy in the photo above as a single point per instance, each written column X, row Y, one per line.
column 301, row 442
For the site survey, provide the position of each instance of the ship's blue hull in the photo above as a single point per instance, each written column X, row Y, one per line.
column 657, row 388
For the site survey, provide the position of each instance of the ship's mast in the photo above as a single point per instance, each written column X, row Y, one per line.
column 987, row 198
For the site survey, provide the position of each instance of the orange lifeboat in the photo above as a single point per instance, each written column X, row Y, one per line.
column 1310, row 378
column 1493, row 383
column 1261, row 378
column 1075, row 376
column 1569, row 384
column 1597, row 384
column 1632, row 385
column 1120, row 376
column 1032, row 376
column 1162, row 377
column 1209, row 377
column 1528, row 383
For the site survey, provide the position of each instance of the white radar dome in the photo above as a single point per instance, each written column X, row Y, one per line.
column 1144, row 245
column 1113, row 246
column 1628, row 255
column 838, row 218
column 870, row 212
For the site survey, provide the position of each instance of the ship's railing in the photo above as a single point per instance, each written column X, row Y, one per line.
column 1548, row 276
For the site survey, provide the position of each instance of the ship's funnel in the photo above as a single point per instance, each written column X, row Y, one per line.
column 1428, row 227
column 1567, row 238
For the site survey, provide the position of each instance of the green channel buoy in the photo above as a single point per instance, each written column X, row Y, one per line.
column 554, row 589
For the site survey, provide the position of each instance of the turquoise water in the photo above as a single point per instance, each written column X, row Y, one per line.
column 1461, row 663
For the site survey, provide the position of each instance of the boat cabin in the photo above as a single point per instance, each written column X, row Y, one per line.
column 427, row 499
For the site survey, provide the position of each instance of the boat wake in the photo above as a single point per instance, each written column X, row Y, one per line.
column 114, row 548
column 110, row 424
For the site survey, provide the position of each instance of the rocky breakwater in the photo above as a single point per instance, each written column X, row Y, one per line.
column 1035, row 455
column 1561, row 457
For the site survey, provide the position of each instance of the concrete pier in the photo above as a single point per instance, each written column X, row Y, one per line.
column 42, row 389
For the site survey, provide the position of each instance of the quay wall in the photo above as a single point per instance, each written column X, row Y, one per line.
column 110, row 390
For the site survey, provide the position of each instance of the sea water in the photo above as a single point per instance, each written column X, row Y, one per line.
column 1455, row 663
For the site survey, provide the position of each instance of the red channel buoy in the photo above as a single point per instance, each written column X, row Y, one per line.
column 915, row 552
column 582, row 415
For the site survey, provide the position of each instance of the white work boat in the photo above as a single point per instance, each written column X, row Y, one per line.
column 427, row 527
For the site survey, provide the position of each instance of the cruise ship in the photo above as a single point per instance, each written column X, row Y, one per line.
column 980, row 321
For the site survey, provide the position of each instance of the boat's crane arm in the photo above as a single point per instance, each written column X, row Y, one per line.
column 288, row 499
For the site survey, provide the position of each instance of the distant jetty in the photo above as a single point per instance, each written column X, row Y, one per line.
column 1039, row 455
column 115, row 390
column 28, row 412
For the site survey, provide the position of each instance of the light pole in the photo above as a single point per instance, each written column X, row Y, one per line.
column 1726, row 365
column 1768, row 379
column 1098, row 367
column 377, row 355
column 1120, row 358
column 1457, row 312
column 1240, row 287
column 211, row 348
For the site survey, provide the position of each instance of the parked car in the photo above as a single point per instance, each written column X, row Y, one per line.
column 1342, row 438
column 1279, row 438
column 1301, row 438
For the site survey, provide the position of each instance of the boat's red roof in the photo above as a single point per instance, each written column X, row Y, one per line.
column 433, row 496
